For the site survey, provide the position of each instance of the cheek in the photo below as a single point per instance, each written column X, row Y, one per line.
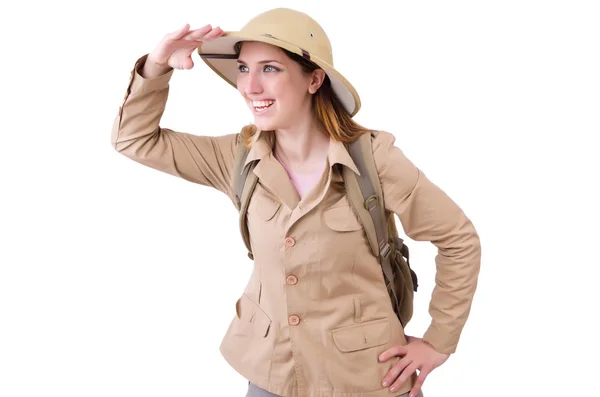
column 289, row 96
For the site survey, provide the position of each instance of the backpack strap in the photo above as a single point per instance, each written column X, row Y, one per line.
column 244, row 183
column 366, row 196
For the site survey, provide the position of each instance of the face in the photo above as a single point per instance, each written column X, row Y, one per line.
column 276, row 89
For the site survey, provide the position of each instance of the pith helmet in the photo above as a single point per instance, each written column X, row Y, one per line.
column 292, row 30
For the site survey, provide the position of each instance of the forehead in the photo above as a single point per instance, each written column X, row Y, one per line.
column 256, row 51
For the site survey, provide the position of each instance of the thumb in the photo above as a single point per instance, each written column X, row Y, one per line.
column 188, row 62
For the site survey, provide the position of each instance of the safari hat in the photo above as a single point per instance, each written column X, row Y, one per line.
column 289, row 29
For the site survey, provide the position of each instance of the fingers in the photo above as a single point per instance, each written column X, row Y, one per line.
column 203, row 33
column 179, row 33
column 406, row 373
column 419, row 383
column 395, row 371
column 199, row 33
column 190, row 40
column 213, row 34
column 397, row 350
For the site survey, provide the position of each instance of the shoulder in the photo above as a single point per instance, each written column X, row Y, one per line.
column 228, row 144
column 392, row 163
column 382, row 136
column 384, row 148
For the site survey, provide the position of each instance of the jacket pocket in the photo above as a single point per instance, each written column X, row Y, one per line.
column 362, row 336
column 249, row 342
column 353, row 363
column 251, row 319
column 340, row 217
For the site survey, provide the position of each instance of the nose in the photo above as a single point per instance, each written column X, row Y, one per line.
column 251, row 84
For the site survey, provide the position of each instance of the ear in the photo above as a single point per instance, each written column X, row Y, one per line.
column 316, row 79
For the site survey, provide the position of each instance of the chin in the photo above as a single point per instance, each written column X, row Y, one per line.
column 266, row 125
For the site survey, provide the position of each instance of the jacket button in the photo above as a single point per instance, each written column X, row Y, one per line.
column 294, row 320
column 291, row 280
column 290, row 242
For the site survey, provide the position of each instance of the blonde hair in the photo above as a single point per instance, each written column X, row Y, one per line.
column 331, row 115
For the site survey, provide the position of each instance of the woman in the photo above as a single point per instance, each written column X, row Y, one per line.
column 315, row 318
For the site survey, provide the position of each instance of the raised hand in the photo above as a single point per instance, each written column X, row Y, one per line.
column 176, row 48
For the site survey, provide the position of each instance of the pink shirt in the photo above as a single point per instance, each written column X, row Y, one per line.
column 303, row 182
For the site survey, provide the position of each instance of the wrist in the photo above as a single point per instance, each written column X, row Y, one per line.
column 152, row 69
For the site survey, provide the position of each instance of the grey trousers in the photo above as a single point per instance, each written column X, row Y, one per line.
column 255, row 391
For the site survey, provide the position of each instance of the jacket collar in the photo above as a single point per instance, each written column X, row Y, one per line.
column 264, row 141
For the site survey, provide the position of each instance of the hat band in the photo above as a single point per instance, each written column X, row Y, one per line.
column 219, row 56
column 305, row 55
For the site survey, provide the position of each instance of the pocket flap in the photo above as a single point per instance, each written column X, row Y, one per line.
column 362, row 336
column 250, row 314
column 264, row 206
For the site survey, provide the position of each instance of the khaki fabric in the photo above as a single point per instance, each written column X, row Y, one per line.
column 315, row 313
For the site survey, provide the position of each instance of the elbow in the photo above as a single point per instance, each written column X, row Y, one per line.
column 472, row 250
column 476, row 242
column 120, row 147
column 464, row 244
column 470, row 241
column 116, row 133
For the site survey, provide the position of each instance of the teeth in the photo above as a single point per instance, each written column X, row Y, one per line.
column 262, row 104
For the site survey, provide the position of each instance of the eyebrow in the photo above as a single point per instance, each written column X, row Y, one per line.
column 261, row 62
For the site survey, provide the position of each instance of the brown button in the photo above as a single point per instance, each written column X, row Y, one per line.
column 294, row 320
column 291, row 279
column 290, row 242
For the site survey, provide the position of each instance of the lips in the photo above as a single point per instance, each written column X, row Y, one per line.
column 261, row 106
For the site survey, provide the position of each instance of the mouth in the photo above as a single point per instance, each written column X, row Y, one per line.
column 261, row 107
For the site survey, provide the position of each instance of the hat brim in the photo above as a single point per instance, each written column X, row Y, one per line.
column 227, row 67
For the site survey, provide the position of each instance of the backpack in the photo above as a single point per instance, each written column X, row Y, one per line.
column 365, row 196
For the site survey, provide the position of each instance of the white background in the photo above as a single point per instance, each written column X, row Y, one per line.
column 118, row 280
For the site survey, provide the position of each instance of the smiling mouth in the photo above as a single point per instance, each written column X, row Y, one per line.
column 261, row 106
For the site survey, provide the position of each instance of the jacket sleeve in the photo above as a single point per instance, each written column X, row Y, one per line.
column 428, row 214
column 136, row 133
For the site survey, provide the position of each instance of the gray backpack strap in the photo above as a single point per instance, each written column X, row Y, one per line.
column 365, row 194
column 244, row 182
column 370, row 194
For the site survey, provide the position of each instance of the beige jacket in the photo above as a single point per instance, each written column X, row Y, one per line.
column 315, row 314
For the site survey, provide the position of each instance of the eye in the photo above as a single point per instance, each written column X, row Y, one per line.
column 242, row 68
column 272, row 68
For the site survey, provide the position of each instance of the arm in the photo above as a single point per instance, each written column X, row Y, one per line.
column 136, row 134
column 428, row 214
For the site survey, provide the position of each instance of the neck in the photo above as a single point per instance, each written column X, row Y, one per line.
column 303, row 146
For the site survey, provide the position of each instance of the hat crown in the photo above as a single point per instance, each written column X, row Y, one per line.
column 293, row 27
